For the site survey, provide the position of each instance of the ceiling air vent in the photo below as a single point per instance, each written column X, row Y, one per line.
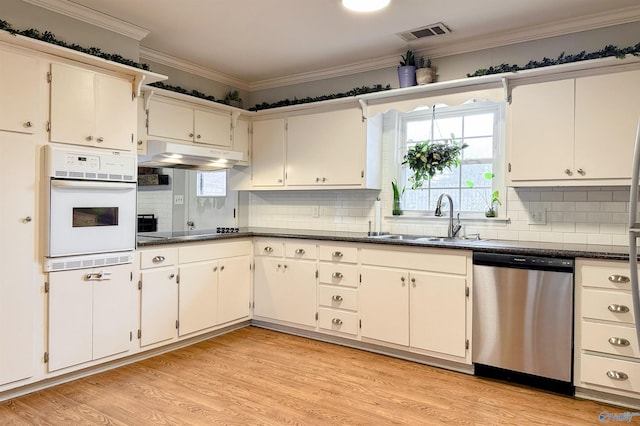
column 426, row 31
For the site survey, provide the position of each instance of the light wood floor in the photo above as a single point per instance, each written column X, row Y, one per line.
column 259, row 377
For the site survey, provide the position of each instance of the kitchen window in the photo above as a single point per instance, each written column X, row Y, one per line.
column 479, row 124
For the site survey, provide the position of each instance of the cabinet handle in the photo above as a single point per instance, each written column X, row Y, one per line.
column 324, row 179
column 222, row 268
column 619, row 279
column 27, row 219
column 317, row 179
column 619, row 341
column 284, row 266
column 581, row 172
column 336, row 321
column 279, row 180
column 337, row 254
column 268, row 249
column 172, row 276
column 190, row 135
column 98, row 276
column 100, row 139
column 198, row 136
column 336, row 298
column 568, row 172
column 158, row 259
column 89, row 138
column 300, row 251
column 215, row 268
column 617, row 375
column 622, row 309
column 337, row 275
column 402, row 280
column 28, row 124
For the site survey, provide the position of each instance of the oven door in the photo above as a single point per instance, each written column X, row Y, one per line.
column 91, row 217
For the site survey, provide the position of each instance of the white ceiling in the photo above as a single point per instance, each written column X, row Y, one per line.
column 261, row 42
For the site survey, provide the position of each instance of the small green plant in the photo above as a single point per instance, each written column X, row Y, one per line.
column 397, row 195
column 427, row 158
column 422, row 63
column 408, row 59
column 490, row 200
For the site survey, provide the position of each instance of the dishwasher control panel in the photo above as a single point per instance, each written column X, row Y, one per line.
column 525, row 262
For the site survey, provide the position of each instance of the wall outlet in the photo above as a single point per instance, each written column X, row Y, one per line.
column 315, row 211
column 538, row 217
column 178, row 200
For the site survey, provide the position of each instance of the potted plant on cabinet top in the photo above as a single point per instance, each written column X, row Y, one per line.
column 427, row 158
column 425, row 72
column 407, row 70
column 492, row 199
column 397, row 195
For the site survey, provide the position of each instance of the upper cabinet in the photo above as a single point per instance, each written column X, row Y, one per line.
column 171, row 119
column 19, row 85
column 560, row 130
column 242, row 139
column 91, row 108
column 327, row 149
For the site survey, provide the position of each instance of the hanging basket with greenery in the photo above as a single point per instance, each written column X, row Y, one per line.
column 427, row 158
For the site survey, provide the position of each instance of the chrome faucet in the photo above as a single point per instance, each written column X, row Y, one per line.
column 453, row 230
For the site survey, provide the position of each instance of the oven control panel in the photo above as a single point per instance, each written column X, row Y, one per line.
column 82, row 162
column 90, row 163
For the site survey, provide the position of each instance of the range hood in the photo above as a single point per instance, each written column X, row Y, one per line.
column 179, row 156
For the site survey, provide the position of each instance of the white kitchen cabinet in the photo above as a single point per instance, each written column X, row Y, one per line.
column 19, row 298
column 20, row 88
column 606, row 355
column 285, row 286
column 234, row 289
column 91, row 109
column 267, row 162
column 565, row 125
column 242, row 140
column 198, row 297
column 326, row 148
column 158, row 295
column 90, row 317
column 171, row 119
column 383, row 303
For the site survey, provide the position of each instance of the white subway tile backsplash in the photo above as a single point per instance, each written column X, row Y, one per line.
column 600, row 196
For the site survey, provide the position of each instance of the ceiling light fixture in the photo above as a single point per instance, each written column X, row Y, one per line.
column 365, row 5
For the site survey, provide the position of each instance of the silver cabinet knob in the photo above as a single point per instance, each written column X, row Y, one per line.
column 198, row 136
column 158, row 259
column 337, row 254
column 402, row 280
column 324, row 179
column 337, row 275
column 140, row 143
column 617, row 375
column 268, row 249
column 89, row 138
column 336, row 298
column 413, row 282
column 100, row 139
column 300, row 251
column 215, row 268
column 28, row 124
column 279, row 180
column 568, row 172
column 190, row 135
column 618, row 309
column 27, row 219
column 619, row 279
column 581, row 172
column 336, row 321
column 317, row 179
column 619, row 341
column 284, row 266
column 222, row 268
column 172, row 276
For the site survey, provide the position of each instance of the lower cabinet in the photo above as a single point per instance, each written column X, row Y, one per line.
column 198, row 297
column 158, row 305
column 91, row 314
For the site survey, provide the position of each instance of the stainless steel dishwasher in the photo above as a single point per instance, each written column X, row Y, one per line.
column 523, row 320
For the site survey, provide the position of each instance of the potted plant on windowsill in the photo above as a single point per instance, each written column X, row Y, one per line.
column 407, row 70
column 397, row 195
column 491, row 200
column 427, row 158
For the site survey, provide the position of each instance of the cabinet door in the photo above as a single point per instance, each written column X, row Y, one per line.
column 73, row 112
column 542, row 131
column 70, row 319
column 241, row 141
column 438, row 313
column 383, row 303
column 234, row 289
column 212, row 128
column 19, row 85
column 198, row 293
column 267, row 291
column 607, row 111
column 114, row 311
column 158, row 305
column 116, row 113
column 169, row 120
column 18, row 295
column 268, row 153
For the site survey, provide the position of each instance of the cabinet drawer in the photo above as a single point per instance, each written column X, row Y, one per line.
column 158, row 257
column 598, row 371
column 338, row 274
column 435, row 260
column 610, row 338
column 338, row 297
column 344, row 322
column 300, row 250
column 339, row 254
column 268, row 248
column 606, row 275
column 607, row 305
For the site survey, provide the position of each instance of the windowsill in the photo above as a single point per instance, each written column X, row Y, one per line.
column 471, row 218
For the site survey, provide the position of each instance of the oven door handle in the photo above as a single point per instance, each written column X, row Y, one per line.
column 80, row 184
column 98, row 276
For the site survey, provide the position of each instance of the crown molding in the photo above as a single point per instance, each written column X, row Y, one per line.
column 191, row 68
column 92, row 17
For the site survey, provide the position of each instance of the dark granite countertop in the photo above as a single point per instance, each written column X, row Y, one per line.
column 493, row 246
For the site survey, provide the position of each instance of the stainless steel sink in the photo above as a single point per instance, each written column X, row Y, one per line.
column 424, row 239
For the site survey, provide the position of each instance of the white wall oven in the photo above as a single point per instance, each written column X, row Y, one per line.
column 91, row 231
